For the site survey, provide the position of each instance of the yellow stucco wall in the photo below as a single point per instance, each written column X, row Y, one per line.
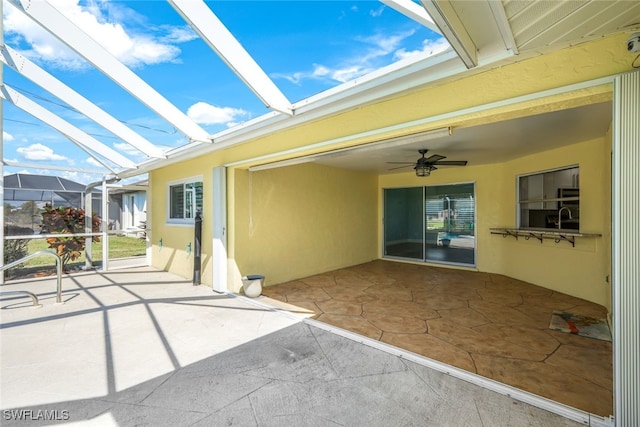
column 430, row 107
column 169, row 242
column 297, row 221
column 579, row 271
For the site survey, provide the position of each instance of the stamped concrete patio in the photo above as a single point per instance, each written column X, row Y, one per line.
column 145, row 347
column 487, row 324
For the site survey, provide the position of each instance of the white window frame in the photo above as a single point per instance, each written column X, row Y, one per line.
column 182, row 221
column 546, row 199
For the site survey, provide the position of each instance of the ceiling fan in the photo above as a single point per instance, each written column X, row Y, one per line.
column 423, row 166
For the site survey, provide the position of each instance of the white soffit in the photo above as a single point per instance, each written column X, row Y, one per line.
column 539, row 24
column 49, row 18
column 219, row 38
column 54, row 86
column 78, row 136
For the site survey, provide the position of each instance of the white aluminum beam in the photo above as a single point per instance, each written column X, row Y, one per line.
column 414, row 11
column 212, row 30
column 54, row 86
column 51, row 167
column 500, row 15
column 78, row 136
column 452, row 28
column 49, row 18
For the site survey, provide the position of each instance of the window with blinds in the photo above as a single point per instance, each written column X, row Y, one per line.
column 185, row 199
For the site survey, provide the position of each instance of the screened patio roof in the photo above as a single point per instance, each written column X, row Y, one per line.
column 42, row 188
column 481, row 34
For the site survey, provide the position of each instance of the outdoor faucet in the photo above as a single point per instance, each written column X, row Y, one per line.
column 560, row 215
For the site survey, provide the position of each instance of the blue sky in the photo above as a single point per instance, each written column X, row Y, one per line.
column 305, row 47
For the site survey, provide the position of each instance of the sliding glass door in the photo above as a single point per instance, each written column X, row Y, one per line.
column 404, row 223
column 432, row 224
column 450, row 224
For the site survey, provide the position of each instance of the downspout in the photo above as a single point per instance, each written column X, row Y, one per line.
column 88, row 263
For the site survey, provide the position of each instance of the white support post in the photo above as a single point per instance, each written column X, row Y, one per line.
column 105, row 225
column 1, row 159
column 219, row 214
column 626, row 248
column 88, row 228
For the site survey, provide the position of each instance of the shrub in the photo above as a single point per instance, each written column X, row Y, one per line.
column 15, row 249
column 67, row 220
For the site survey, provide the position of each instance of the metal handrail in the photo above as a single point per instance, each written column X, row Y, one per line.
column 36, row 303
column 48, row 236
column 33, row 255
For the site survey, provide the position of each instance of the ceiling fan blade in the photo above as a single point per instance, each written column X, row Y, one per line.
column 434, row 158
column 451, row 162
column 400, row 167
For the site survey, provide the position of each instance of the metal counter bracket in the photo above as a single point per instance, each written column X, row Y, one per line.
column 556, row 236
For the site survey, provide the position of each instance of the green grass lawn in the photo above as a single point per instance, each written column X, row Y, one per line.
column 119, row 247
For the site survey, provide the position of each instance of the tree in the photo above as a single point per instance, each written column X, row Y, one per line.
column 15, row 249
column 67, row 220
column 8, row 214
column 28, row 214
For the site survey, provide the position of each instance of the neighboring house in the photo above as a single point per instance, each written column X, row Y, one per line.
column 128, row 209
column 127, row 204
column 548, row 113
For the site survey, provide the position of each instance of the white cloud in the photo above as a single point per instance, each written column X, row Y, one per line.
column 149, row 45
column 373, row 55
column 430, row 47
column 349, row 73
column 377, row 12
column 80, row 177
column 94, row 162
column 128, row 149
column 7, row 136
column 208, row 114
column 179, row 34
column 39, row 152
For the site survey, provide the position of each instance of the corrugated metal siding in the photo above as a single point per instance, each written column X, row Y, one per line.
column 626, row 248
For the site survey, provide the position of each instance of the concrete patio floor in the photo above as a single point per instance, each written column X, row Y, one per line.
column 145, row 347
column 486, row 324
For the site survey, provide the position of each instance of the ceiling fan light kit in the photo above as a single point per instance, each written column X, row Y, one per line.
column 424, row 166
column 422, row 170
